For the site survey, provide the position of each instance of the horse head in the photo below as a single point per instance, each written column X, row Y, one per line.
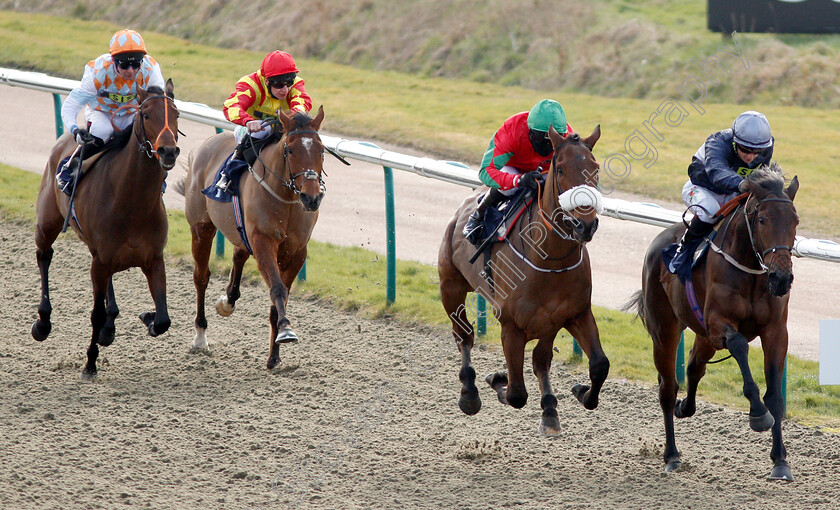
column 771, row 221
column 157, row 119
column 303, row 153
column 571, row 193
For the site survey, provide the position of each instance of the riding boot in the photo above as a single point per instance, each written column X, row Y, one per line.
column 238, row 155
column 697, row 230
column 475, row 224
column 66, row 175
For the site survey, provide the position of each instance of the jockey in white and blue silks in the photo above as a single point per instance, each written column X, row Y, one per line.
column 716, row 175
column 106, row 93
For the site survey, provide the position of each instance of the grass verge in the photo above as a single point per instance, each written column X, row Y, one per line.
column 354, row 279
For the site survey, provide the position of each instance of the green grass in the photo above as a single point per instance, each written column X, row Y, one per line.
column 354, row 279
column 454, row 119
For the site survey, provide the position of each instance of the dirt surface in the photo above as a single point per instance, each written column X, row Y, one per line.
column 353, row 214
column 360, row 414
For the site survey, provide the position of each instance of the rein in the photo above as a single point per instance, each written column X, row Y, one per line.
column 309, row 175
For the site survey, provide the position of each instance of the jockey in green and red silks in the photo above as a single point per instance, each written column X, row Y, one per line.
column 520, row 147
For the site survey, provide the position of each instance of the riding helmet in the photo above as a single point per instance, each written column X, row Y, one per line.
column 126, row 41
column 752, row 130
column 276, row 63
column 545, row 113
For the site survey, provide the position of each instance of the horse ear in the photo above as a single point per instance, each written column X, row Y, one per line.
column 141, row 93
column 285, row 120
column 316, row 122
column 555, row 137
column 170, row 88
column 594, row 137
column 792, row 188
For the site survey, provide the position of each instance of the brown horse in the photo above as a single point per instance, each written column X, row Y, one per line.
column 541, row 282
column 280, row 208
column 119, row 214
column 742, row 290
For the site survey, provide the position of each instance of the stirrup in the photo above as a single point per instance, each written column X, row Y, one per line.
column 223, row 184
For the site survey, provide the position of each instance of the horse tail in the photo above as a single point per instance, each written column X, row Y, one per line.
column 180, row 186
column 636, row 304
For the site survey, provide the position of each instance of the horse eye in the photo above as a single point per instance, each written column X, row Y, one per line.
column 761, row 219
column 146, row 116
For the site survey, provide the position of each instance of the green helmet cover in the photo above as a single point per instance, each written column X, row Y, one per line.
column 545, row 113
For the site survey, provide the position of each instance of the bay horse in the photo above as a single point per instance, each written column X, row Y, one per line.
column 119, row 214
column 541, row 282
column 280, row 208
column 742, row 288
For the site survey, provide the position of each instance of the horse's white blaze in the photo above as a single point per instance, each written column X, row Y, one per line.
column 224, row 308
column 307, row 143
column 582, row 197
column 200, row 340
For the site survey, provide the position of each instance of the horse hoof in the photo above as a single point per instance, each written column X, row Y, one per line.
column 781, row 471
column 272, row 362
column 148, row 318
column 579, row 391
column 285, row 336
column 469, row 406
column 763, row 422
column 88, row 375
column 550, row 426
column 224, row 308
column 682, row 410
column 673, row 466
column 41, row 330
column 106, row 337
column 496, row 379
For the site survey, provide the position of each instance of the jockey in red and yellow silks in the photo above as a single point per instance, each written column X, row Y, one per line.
column 519, row 151
column 258, row 96
column 109, row 84
column 253, row 100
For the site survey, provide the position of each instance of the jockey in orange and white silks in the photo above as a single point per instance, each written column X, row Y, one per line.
column 110, row 82
column 258, row 96
column 107, row 93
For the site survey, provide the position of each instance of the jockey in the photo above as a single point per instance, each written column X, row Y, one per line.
column 716, row 176
column 109, row 84
column 519, row 151
column 258, row 96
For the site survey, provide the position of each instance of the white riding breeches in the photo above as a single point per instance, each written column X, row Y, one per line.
column 240, row 131
column 100, row 123
column 510, row 170
column 702, row 202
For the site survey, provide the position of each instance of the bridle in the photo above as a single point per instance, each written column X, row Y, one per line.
column 570, row 222
column 146, row 146
column 290, row 184
column 749, row 217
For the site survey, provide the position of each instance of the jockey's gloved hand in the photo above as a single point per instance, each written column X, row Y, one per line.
column 529, row 180
column 82, row 135
column 743, row 186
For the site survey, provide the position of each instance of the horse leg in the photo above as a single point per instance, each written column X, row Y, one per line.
column 775, row 351
column 760, row 417
column 584, row 329
column 510, row 386
column 701, row 353
column 541, row 362
column 112, row 311
column 99, row 276
column 453, row 293
column 46, row 231
column 265, row 252
column 202, row 241
column 227, row 302
column 664, row 328
column 158, row 321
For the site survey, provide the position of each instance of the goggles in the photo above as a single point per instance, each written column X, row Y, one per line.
column 279, row 82
column 125, row 64
column 748, row 150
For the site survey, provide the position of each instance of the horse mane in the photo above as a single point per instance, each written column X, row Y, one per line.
column 301, row 119
column 154, row 90
column 770, row 177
